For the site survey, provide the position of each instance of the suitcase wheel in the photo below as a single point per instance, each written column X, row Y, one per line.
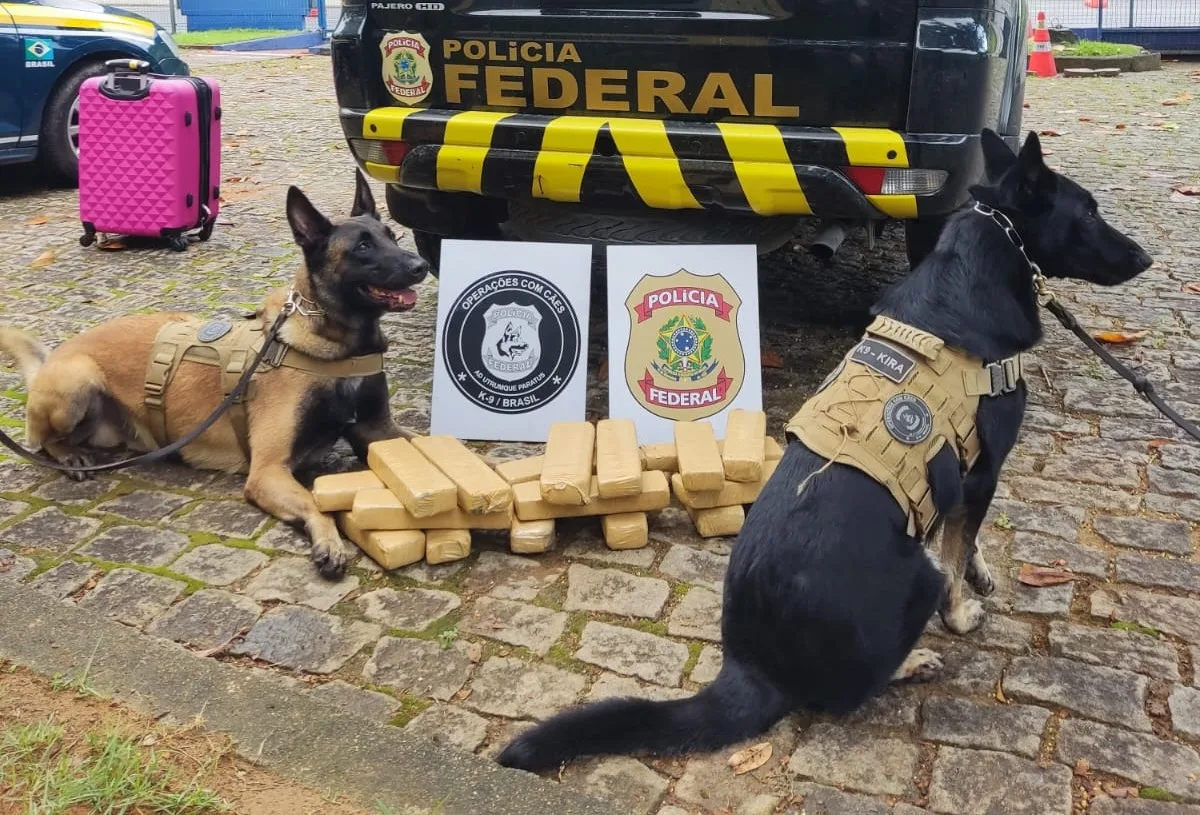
column 206, row 231
column 87, row 239
column 179, row 243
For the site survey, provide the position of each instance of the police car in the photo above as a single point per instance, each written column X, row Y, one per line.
column 687, row 121
column 47, row 49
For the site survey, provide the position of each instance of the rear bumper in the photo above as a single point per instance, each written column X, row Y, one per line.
column 622, row 162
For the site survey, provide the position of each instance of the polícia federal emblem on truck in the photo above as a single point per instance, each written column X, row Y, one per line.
column 406, row 69
column 684, row 360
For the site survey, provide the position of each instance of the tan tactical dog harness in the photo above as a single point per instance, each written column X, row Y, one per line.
column 231, row 345
column 893, row 402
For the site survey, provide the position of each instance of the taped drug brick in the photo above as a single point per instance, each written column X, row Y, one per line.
column 618, row 460
column 731, row 494
column 626, row 530
column 422, row 487
column 391, row 549
column 531, row 537
column 655, row 494
column 718, row 522
column 521, row 470
column 660, row 457
column 381, row 509
column 567, row 468
column 335, row 493
column 446, row 545
column 699, row 457
column 480, row 490
column 743, row 452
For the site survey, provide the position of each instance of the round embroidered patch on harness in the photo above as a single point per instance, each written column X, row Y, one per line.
column 214, row 330
column 908, row 418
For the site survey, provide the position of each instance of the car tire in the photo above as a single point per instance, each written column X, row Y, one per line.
column 58, row 146
column 571, row 223
column 429, row 246
column 920, row 237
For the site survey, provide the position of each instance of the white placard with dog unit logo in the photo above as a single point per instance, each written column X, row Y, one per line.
column 683, row 339
column 512, row 334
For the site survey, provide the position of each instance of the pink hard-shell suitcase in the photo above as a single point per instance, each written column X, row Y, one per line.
column 149, row 154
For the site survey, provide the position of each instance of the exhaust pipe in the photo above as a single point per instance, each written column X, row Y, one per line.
column 829, row 241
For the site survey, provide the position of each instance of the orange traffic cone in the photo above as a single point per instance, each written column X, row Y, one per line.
column 1041, row 61
column 1096, row 3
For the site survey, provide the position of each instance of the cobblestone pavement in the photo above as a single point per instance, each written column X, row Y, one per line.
column 1071, row 697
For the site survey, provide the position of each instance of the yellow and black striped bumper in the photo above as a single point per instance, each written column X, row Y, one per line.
column 600, row 161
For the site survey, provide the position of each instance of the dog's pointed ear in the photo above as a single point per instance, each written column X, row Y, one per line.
column 1032, row 173
column 309, row 227
column 364, row 200
column 998, row 157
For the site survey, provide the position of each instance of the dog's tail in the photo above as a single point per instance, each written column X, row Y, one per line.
column 25, row 349
column 739, row 704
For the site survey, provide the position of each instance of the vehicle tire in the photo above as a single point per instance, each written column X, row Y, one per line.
column 59, row 139
column 920, row 237
column 429, row 246
column 555, row 222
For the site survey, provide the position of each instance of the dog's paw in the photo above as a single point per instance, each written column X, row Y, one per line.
column 78, row 460
column 921, row 665
column 965, row 617
column 979, row 577
column 330, row 559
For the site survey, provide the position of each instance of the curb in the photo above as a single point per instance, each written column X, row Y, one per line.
column 1131, row 63
column 273, row 726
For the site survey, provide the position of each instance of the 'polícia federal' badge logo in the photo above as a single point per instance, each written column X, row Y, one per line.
column 511, row 342
column 684, row 359
column 406, row 70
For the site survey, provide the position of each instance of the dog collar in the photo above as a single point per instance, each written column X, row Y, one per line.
column 1039, row 280
column 297, row 303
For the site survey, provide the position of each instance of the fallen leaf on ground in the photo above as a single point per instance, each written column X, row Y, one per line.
column 1122, row 127
column 38, row 221
column 999, row 694
column 1192, row 288
column 44, row 259
column 1170, row 103
column 1049, row 133
column 1085, row 118
column 1042, row 576
column 1187, row 189
column 743, row 761
column 771, row 360
column 1082, row 767
column 1154, row 444
column 1119, row 337
column 111, row 245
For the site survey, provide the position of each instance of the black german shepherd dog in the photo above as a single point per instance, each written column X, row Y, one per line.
column 826, row 594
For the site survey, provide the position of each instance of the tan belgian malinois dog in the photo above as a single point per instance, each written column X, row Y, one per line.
column 144, row 380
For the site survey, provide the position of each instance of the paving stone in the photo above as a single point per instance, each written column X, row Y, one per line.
column 450, row 725
column 1180, row 457
column 285, row 538
column 820, row 800
column 1047, row 601
column 1115, row 649
column 1106, row 694
column 145, row 505
column 1185, row 710
column 997, row 631
column 11, row 509
column 307, row 640
column 1158, row 572
column 64, row 490
column 132, row 597
column 65, row 579
column 1173, row 482
column 710, row 783
column 1185, row 508
column 1137, row 806
column 409, row 610
column 670, row 809
column 612, row 591
column 690, row 565
column 975, row 782
column 697, row 616
column 895, row 707
column 296, row 580
column 580, row 539
column 419, row 667
column 1140, row 757
column 1178, row 616
column 611, row 686
column 1098, row 396
column 51, row 529
column 971, row 671
column 219, row 565
column 13, row 567
column 1064, row 492
column 515, row 623
column 232, row 519
column 1142, row 533
column 142, row 545
column 1046, row 551
column 626, row 782
column 1091, row 470
column 708, row 665
column 1061, row 522
column 366, row 704
column 1005, row 728
column 833, row 755
column 206, row 619
column 19, row 477
column 633, row 653
column 432, row 575
column 518, row 689
column 510, row 577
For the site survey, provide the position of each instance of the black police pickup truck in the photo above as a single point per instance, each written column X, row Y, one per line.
column 685, row 121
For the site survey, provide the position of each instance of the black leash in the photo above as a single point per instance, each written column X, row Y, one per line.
column 1046, row 297
column 156, row 455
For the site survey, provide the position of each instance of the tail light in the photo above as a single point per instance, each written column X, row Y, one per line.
column 892, row 181
column 377, row 151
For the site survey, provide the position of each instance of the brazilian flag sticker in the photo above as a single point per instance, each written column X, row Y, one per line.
column 38, row 53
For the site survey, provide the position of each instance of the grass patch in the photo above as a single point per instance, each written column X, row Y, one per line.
column 1095, row 48
column 694, row 649
column 1125, row 625
column 225, row 36
column 410, row 708
column 1157, row 794
column 106, row 772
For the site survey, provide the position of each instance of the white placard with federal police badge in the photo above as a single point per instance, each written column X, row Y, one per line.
column 683, row 336
column 512, row 335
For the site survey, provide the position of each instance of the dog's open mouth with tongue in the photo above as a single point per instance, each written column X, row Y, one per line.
column 392, row 299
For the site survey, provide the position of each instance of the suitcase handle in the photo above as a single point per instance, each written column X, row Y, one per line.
column 137, row 66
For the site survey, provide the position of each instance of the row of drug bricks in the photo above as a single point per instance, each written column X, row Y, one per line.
column 420, row 499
